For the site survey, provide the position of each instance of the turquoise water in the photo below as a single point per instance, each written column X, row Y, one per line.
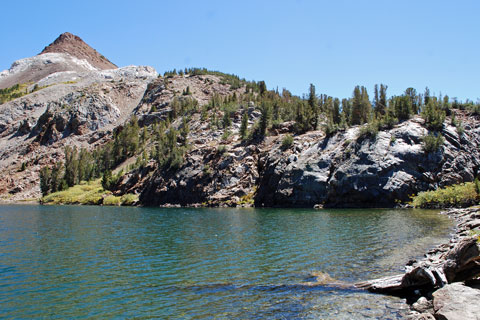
column 101, row 262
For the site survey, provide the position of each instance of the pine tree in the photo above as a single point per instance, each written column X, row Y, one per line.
column 71, row 166
column 346, row 110
column 276, row 111
column 336, row 111
column 356, row 107
column 262, row 87
column 382, row 101
column 45, row 180
column 56, row 177
column 107, row 180
column 366, row 105
column 426, row 96
column 411, row 93
column 244, row 125
column 434, row 116
column 83, row 165
column 361, row 106
column 313, row 104
column 184, row 130
column 403, row 107
column 227, row 121
column 266, row 113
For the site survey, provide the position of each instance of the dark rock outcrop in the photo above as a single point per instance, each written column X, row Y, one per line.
column 345, row 171
column 208, row 177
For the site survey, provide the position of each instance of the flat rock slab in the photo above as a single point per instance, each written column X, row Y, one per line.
column 457, row 302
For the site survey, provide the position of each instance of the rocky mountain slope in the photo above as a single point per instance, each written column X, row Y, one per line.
column 66, row 101
column 69, row 99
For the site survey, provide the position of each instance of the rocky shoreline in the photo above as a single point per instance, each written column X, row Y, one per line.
column 445, row 284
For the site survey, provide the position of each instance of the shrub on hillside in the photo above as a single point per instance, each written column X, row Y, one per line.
column 112, row 200
column 370, row 130
column 432, row 143
column 287, row 142
column 434, row 116
column 459, row 195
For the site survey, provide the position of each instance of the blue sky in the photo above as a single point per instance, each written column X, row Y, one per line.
column 333, row 44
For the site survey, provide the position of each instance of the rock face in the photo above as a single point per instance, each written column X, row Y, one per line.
column 207, row 178
column 76, row 47
column 218, row 170
column 457, row 302
column 344, row 171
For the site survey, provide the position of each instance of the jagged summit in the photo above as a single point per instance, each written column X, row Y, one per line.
column 75, row 46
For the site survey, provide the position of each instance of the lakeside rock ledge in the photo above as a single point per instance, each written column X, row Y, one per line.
column 445, row 284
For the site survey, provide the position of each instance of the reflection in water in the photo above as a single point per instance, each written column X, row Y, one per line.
column 70, row 262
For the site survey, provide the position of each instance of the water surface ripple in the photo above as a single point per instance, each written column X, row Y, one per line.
column 90, row 262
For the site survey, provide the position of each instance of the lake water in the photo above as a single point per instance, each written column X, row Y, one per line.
column 116, row 262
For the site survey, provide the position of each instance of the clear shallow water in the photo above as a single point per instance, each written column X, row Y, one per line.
column 91, row 262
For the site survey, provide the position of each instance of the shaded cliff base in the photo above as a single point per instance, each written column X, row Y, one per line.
column 446, row 283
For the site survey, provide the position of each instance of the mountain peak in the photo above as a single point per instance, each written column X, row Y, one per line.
column 75, row 46
column 67, row 36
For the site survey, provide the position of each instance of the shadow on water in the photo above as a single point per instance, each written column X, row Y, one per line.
column 218, row 287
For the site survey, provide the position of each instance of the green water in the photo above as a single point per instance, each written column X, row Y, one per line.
column 99, row 262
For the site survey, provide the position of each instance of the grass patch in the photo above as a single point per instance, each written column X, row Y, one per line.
column 17, row 91
column 85, row 193
column 458, row 195
column 248, row 199
column 90, row 192
column 129, row 199
column 112, row 200
column 13, row 92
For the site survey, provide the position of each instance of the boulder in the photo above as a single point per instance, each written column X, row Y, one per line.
column 423, row 305
column 457, row 302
